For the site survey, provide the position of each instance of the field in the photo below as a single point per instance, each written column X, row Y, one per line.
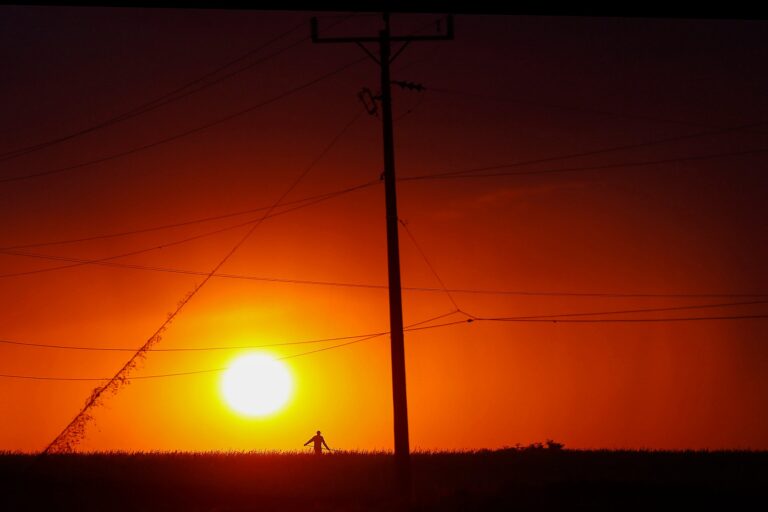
column 445, row 481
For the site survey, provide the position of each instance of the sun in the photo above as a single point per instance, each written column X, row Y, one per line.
column 256, row 385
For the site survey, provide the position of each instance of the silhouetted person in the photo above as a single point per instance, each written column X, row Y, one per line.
column 319, row 443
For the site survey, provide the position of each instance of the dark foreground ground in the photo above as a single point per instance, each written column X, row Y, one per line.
column 484, row 481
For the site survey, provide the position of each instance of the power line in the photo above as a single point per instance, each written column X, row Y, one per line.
column 343, row 284
column 469, row 172
column 77, row 262
column 333, row 347
column 531, row 293
column 412, row 327
column 506, row 99
column 593, row 152
column 624, row 320
column 216, row 370
column 441, row 175
column 626, row 311
column 185, row 133
column 177, row 93
column 184, row 349
column 429, row 264
column 75, row 430
column 188, row 222
column 376, row 335
column 174, row 95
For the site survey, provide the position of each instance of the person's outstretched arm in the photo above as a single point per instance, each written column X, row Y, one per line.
column 305, row 444
column 326, row 445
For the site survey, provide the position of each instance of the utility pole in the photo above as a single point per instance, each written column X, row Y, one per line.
column 385, row 58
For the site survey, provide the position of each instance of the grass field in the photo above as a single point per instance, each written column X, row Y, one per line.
column 443, row 481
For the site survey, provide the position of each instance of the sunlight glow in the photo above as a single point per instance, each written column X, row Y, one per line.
column 256, row 385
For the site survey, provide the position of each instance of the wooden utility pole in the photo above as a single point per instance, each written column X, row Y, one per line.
column 399, row 397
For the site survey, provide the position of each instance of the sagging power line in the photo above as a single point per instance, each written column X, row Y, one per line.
column 200, row 220
column 344, row 284
column 630, row 311
column 107, row 260
column 625, row 320
column 600, row 151
column 470, row 173
column 378, row 335
column 454, row 174
column 416, row 244
column 412, row 327
column 555, row 106
column 198, row 84
column 185, row 133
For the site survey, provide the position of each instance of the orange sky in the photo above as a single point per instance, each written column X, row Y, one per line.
column 561, row 86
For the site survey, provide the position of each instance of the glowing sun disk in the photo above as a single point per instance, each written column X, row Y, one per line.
column 256, row 385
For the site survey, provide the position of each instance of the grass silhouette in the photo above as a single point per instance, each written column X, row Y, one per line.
column 505, row 479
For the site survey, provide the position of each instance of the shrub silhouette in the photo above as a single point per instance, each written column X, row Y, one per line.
column 553, row 445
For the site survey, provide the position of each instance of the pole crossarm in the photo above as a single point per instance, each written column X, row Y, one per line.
column 447, row 36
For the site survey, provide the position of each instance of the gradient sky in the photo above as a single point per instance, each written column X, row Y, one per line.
column 508, row 89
